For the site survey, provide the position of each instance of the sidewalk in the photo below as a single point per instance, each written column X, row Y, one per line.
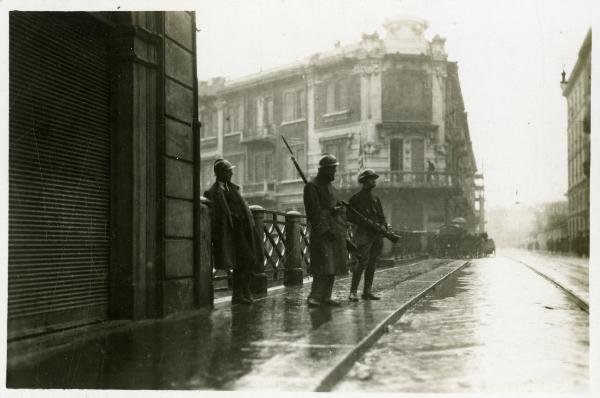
column 276, row 343
column 571, row 272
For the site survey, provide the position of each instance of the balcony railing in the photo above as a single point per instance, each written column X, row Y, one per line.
column 259, row 133
column 262, row 187
column 401, row 179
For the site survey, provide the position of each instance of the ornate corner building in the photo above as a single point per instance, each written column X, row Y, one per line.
column 393, row 104
column 577, row 90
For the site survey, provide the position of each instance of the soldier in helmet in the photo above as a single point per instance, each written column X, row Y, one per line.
column 235, row 240
column 326, row 218
column 368, row 240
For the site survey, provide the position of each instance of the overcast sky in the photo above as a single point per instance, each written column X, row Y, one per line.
column 510, row 55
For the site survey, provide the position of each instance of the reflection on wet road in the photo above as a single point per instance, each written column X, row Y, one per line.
column 495, row 326
column 206, row 351
column 215, row 349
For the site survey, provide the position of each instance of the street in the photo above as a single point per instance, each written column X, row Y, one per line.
column 231, row 347
column 495, row 326
column 492, row 325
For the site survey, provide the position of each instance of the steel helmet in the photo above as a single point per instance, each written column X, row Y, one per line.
column 222, row 164
column 328, row 160
column 367, row 173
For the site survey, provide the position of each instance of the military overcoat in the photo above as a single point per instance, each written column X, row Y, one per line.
column 223, row 238
column 328, row 228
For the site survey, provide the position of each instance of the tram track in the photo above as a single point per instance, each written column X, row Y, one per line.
column 339, row 371
column 581, row 303
column 336, row 375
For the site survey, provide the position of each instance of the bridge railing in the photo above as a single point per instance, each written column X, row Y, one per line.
column 285, row 241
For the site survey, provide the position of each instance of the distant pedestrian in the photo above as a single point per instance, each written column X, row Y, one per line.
column 430, row 169
column 235, row 240
column 326, row 219
column 368, row 240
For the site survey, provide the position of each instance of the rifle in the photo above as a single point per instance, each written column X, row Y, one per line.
column 379, row 228
column 298, row 169
column 391, row 236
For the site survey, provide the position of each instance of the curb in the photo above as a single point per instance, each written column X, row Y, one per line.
column 342, row 367
column 580, row 303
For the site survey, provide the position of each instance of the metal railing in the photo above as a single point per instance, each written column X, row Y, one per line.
column 273, row 239
column 304, row 245
column 262, row 132
column 285, row 243
column 259, row 187
column 401, row 179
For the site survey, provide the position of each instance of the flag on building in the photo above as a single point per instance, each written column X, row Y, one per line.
column 361, row 155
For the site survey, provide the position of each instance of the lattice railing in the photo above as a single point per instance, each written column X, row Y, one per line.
column 277, row 251
column 274, row 243
column 304, row 246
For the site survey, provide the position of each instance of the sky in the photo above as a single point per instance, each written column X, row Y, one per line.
column 510, row 55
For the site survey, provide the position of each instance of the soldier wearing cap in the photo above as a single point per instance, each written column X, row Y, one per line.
column 368, row 240
column 327, row 223
column 235, row 240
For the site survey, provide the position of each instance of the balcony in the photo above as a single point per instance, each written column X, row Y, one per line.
column 264, row 134
column 259, row 189
column 401, row 179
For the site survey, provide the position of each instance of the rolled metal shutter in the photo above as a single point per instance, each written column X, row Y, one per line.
column 59, row 171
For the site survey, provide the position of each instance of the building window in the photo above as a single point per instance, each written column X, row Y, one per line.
column 210, row 124
column 396, row 154
column 229, row 119
column 234, row 118
column 407, row 95
column 205, row 130
column 259, row 112
column 338, row 149
column 268, row 111
column 337, row 96
column 260, row 167
column 264, row 112
column 238, row 173
column 240, row 117
column 214, row 123
column 293, row 105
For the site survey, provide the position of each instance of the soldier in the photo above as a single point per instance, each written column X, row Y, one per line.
column 326, row 219
column 235, row 239
column 369, row 242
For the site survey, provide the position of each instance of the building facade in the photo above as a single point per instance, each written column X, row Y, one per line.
column 104, row 195
column 577, row 91
column 393, row 104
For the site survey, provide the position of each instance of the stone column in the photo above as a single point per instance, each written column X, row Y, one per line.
column 313, row 147
column 134, row 244
column 220, row 127
column 258, row 284
column 293, row 273
column 204, row 283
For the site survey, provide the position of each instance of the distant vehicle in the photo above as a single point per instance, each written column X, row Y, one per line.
column 489, row 247
column 448, row 240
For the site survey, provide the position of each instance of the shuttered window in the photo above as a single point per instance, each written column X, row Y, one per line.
column 59, row 171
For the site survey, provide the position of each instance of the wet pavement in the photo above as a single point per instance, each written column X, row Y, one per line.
column 495, row 326
column 276, row 343
column 570, row 272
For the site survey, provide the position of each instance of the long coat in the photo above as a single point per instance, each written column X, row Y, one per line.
column 224, row 242
column 328, row 253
